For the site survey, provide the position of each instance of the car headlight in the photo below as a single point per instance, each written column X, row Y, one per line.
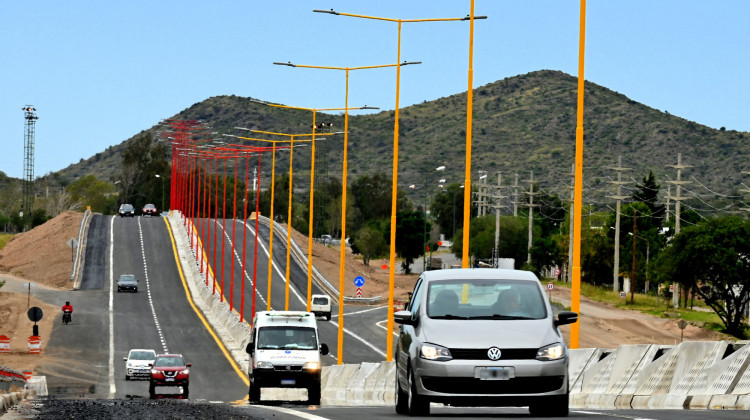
column 154, row 371
column 435, row 352
column 186, row 371
column 551, row 352
column 311, row 366
column 264, row 365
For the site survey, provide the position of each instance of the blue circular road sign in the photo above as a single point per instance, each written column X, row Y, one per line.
column 359, row 281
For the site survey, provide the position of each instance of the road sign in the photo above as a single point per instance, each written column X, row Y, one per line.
column 359, row 281
column 35, row 314
column 72, row 242
column 682, row 324
column 622, row 295
column 384, row 266
column 550, row 286
column 557, row 272
column 359, row 292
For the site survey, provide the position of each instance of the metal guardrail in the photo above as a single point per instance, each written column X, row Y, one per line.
column 11, row 378
column 77, row 259
column 320, row 280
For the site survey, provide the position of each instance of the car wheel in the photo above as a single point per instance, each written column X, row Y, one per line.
column 127, row 378
column 313, row 394
column 151, row 391
column 328, row 316
column 186, row 391
column 253, row 396
column 557, row 406
column 402, row 404
column 417, row 405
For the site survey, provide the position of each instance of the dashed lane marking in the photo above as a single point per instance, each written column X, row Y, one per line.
column 148, row 290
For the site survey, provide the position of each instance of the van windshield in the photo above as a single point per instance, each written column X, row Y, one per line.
column 287, row 338
column 485, row 299
column 320, row 301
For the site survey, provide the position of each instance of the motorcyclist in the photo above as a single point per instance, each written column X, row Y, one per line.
column 68, row 308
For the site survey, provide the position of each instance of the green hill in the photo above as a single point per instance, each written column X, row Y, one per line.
column 521, row 124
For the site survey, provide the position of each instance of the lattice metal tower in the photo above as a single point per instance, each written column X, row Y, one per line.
column 28, row 162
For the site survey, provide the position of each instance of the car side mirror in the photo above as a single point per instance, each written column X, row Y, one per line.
column 150, row 365
column 323, row 349
column 566, row 317
column 189, row 364
column 250, row 348
column 125, row 359
column 404, row 317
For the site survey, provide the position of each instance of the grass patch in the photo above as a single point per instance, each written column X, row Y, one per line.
column 4, row 238
column 650, row 304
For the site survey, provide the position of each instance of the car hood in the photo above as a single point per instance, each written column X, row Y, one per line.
column 170, row 368
column 139, row 363
column 489, row 333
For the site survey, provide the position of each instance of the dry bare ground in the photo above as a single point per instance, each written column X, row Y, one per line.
column 42, row 256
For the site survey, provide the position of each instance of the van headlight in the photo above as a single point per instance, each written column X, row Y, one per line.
column 264, row 365
column 551, row 352
column 311, row 366
column 435, row 352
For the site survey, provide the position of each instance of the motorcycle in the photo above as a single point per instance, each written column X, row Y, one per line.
column 66, row 318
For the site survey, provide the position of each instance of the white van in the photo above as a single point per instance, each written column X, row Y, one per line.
column 320, row 305
column 285, row 353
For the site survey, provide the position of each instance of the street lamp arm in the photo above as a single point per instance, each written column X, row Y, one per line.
column 284, row 64
column 330, row 12
column 333, row 12
column 475, row 17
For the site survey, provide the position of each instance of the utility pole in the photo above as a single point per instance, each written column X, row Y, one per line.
column 635, row 237
column 568, row 272
column 515, row 197
column 531, row 206
column 669, row 194
column 498, row 196
column 677, row 199
column 618, row 197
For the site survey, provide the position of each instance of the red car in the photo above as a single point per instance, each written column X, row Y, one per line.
column 169, row 370
column 149, row 210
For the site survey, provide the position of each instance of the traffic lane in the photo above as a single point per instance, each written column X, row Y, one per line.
column 134, row 325
column 78, row 353
column 95, row 260
column 212, row 375
column 469, row 413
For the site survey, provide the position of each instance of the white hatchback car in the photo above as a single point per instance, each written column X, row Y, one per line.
column 137, row 363
column 481, row 337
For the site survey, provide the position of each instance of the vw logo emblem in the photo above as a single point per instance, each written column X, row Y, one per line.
column 494, row 353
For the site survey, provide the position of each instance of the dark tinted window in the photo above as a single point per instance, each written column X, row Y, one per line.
column 169, row 361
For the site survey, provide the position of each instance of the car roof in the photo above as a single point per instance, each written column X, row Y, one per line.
column 132, row 350
column 479, row 274
column 169, row 355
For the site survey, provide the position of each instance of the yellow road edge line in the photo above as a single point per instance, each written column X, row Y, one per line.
column 237, row 369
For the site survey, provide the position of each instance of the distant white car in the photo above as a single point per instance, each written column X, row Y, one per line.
column 137, row 363
column 321, row 306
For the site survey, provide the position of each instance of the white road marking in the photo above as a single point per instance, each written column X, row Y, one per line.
column 622, row 416
column 301, row 414
column 148, row 290
column 112, row 387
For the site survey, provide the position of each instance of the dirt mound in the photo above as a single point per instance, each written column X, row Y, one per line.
column 41, row 254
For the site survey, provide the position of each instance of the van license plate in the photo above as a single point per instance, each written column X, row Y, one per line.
column 288, row 382
column 493, row 373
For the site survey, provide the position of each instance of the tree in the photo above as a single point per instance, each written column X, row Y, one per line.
column 141, row 160
column 410, row 227
column 447, row 209
column 90, row 191
column 648, row 193
column 370, row 242
column 713, row 258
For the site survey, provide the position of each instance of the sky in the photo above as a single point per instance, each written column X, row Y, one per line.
column 99, row 72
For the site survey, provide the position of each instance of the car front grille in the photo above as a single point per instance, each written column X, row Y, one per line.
column 465, row 386
column 170, row 373
column 505, row 354
column 288, row 368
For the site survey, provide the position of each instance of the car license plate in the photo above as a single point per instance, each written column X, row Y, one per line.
column 169, row 379
column 493, row 373
column 288, row 382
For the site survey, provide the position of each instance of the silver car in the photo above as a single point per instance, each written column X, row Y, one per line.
column 481, row 337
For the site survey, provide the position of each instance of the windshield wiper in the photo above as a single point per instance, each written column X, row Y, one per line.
column 449, row 316
column 498, row 316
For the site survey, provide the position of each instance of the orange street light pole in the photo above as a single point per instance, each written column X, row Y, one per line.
column 312, row 187
column 575, row 297
column 394, row 187
column 342, row 260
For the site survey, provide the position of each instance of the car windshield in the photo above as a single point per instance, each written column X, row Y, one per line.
column 126, row 207
column 142, row 355
column 169, row 361
column 149, row 206
column 127, row 278
column 320, row 301
column 287, row 338
column 485, row 299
